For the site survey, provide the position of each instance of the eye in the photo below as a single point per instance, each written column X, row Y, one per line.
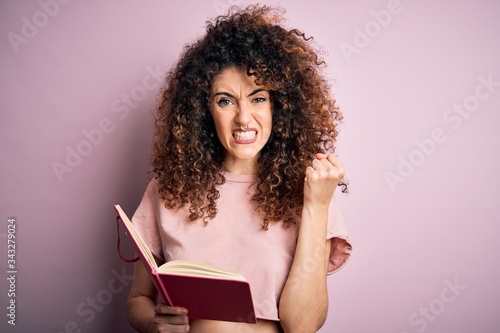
column 259, row 100
column 224, row 102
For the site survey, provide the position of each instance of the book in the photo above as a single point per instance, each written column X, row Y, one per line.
column 207, row 292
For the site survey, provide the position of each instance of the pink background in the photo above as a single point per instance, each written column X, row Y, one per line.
column 424, row 208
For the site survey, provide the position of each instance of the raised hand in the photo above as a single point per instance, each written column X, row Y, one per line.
column 322, row 178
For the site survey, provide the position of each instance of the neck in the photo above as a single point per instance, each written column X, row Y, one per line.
column 241, row 167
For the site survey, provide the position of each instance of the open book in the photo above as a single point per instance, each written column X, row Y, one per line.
column 205, row 291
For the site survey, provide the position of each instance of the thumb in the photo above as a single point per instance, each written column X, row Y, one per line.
column 321, row 155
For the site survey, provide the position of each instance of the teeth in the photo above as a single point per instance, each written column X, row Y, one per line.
column 244, row 135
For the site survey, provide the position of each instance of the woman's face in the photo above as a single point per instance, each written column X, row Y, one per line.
column 243, row 118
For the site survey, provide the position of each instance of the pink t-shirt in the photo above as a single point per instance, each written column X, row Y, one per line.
column 234, row 240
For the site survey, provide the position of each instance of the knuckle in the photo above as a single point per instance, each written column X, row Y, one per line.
column 157, row 319
column 341, row 173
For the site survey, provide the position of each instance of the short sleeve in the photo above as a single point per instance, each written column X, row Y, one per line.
column 341, row 244
column 144, row 220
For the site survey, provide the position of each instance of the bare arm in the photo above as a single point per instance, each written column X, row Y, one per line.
column 304, row 301
column 143, row 313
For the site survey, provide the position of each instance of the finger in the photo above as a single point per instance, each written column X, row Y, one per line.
column 170, row 310
column 321, row 155
column 174, row 320
column 323, row 166
column 167, row 328
column 309, row 171
column 319, row 165
column 333, row 159
column 330, row 157
column 316, row 174
column 327, row 165
column 336, row 164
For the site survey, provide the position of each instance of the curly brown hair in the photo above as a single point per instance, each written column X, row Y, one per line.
column 187, row 155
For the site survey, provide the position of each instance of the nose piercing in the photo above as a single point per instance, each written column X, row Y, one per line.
column 242, row 128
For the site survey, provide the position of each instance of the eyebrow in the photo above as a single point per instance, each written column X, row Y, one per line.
column 256, row 91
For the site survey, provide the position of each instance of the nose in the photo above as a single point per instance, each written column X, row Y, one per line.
column 243, row 115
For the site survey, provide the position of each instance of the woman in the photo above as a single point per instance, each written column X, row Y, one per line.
column 245, row 176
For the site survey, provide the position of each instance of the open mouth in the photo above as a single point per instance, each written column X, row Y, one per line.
column 247, row 136
column 239, row 135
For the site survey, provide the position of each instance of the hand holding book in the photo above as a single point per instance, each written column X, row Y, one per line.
column 206, row 292
column 170, row 316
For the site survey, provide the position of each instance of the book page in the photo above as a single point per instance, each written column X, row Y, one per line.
column 146, row 252
column 187, row 267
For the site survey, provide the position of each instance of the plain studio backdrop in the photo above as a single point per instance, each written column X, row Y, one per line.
column 418, row 82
